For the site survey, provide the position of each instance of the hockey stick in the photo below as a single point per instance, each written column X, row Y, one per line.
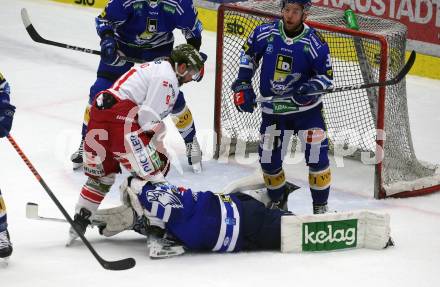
column 403, row 72
column 37, row 38
column 122, row 264
column 158, row 247
column 32, row 213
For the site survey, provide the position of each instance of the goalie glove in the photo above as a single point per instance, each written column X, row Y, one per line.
column 194, row 155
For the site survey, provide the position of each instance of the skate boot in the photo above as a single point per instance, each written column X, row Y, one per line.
column 5, row 245
column 282, row 203
column 80, row 221
column 77, row 157
column 320, row 208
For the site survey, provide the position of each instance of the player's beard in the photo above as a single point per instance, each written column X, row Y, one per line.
column 292, row 30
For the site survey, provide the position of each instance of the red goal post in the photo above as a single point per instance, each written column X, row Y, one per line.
column 355, row 119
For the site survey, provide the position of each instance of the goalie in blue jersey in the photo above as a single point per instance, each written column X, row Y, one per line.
column 295, row 60
column 144, row 30
column 176, row 219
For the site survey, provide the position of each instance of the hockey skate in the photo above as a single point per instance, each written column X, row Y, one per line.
column 80, row 221
column 282, row 203
column 320, row 208
column 194, row 155
column 77, row 157
column 5, row 246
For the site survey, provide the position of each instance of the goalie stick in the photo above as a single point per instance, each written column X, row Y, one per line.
column 37, row 38
column 158, row 248
column 122, row 264
column 403, row 72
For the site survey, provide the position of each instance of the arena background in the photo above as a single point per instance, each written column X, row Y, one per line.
column 422, row 17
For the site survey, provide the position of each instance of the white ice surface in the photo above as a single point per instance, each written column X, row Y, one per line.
column 50, row 87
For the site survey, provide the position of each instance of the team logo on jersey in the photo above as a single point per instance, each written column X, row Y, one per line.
column 164, row 196
column 269, row 49
column 169, row 8
column 283, row 67
column 152, row 25
column 150, row 30
column 284, row 87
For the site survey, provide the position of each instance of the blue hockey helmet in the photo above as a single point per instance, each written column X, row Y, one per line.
column 305, row 3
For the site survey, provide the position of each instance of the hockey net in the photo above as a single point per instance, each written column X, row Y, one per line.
column 355, row 119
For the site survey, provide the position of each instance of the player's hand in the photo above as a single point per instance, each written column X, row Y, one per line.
column 301, row 98
column 6, row 116
column 109, row 52
column 244, row 96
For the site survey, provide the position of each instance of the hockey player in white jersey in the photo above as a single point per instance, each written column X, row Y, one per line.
column 125, row 126
column 144, row 30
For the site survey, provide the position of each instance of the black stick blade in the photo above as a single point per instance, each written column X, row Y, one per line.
column 122, row 264
column 406, row 68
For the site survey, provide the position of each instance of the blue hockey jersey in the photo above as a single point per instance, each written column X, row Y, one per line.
column 200, row 220
column 286, row 64
column 148, row 24
column 4, row 90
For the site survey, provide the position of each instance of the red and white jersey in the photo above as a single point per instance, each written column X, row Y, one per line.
column 153, row 87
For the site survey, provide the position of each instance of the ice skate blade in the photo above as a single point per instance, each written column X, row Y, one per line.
column 77, row 166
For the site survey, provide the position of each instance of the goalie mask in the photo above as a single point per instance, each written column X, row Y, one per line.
column 306, row 4
column 194, row 60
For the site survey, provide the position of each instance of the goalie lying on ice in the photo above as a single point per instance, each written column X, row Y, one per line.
column 236, row 221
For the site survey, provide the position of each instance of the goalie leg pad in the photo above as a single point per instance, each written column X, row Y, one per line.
column 334, row 231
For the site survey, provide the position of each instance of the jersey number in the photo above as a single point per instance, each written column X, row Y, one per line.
column 121, row 81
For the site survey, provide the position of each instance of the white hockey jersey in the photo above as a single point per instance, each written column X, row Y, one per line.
column 153, row 87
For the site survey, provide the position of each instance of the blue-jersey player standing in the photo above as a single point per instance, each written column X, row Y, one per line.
column 144, row 30
column 6, row 115
column 295, row 60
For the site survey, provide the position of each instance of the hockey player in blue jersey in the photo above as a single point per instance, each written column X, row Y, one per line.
column 144, row 30
column 6, row 115
column 295, row 60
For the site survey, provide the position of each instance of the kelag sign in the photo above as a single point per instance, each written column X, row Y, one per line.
column 422, row 17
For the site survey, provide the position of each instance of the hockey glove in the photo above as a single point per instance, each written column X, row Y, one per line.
column 244, row 96
column 194, row 155
column 302, row 99
column 109, row 52
column 6, row 115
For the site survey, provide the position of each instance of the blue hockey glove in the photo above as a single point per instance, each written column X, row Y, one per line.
column 6, row 115
column 109, row 52
column 244, row 96
column 301, row 98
